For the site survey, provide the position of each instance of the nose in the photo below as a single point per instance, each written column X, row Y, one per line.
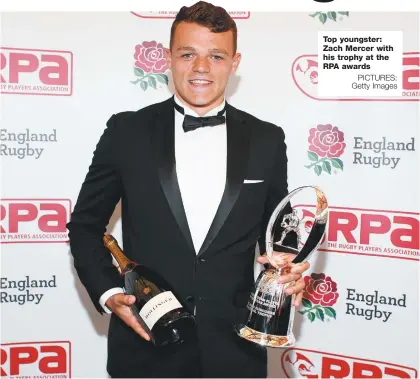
column 201, row 65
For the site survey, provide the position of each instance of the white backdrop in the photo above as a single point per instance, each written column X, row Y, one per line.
column 52, row 122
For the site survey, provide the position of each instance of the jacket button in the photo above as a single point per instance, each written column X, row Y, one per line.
column 201, row 260
column 189, row 298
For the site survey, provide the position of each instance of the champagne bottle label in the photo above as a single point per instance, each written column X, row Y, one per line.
column 158, row 306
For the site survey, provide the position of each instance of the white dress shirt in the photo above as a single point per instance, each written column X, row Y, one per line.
column 200, row 157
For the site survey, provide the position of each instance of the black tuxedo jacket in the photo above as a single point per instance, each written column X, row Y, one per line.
column 134, row 161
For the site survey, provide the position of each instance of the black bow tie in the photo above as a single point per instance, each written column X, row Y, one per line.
column 192, row 123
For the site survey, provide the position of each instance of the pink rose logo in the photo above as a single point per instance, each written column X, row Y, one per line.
column 326, row 140
column 319, row 295
column 150, row 64
column 150, row 57
column 326, row 144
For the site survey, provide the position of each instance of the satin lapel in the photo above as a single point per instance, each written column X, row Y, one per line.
column 163, row 141
column 238, row 139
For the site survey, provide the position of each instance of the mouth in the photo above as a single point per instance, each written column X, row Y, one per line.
column 200, row 82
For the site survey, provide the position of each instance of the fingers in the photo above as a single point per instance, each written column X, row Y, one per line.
column 300, row 268
column 287, row 278
column 298, row 287
column 122, row 309
column 280, row 259
column 133, row 323
column 263, row 259
column 298, row 299
column 127, row 300
column 120, row 299
column 277, row 259
column 293, row 272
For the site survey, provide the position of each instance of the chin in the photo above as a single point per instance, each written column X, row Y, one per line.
column 201, row 102
column 198, row 100
column 199, row 97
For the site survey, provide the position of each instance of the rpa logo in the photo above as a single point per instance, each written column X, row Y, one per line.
column 302, row 363
column 384, row 233
column 34, row 220
column 36, row 72
column 36, row 359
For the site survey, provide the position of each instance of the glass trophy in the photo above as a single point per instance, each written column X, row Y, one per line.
column 270, row 312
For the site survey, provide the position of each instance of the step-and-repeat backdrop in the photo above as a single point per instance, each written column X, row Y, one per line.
column 64, row 74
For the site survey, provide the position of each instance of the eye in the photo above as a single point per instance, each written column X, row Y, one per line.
column 187, row 55
column 217, row 57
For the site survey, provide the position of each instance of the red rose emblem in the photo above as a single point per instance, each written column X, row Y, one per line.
column 320, row 290
column 326, row 140
column 150, row 57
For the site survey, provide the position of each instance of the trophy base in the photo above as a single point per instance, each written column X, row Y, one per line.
column 262, row 339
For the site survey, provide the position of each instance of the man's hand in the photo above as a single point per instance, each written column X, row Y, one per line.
column 120, row 305
column 291, row 272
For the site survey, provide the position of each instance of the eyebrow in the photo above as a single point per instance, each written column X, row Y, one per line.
column 217, row 51
column 186, row 48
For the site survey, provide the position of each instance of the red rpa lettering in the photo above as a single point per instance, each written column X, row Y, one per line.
column 338, row 368
column 53, row 364
column 366, row 370
column 3, row 360
column 413, row 233
column 366, row 227
column 19, row 63
column 334, row 368
column 343, row 222
column 24, row 355
column 27, row 212
column 2, row 217
column 375, row 224
column 409, row 74
column 391, row 371
column 384, row 227
column 369, row 370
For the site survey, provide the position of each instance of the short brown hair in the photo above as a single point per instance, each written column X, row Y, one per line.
column 206, row 14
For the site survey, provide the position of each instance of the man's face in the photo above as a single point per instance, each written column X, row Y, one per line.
column 201, row 63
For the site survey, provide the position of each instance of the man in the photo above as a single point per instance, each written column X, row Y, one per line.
column 195, row 201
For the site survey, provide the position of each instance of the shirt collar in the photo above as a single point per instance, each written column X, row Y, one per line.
column 188, row 110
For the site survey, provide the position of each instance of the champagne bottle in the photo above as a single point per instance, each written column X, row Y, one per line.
column 156, row 307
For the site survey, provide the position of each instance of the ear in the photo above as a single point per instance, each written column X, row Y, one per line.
column 168, row 56
column 236, row 60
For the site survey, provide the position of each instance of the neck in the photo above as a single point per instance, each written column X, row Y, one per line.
column 201, row 110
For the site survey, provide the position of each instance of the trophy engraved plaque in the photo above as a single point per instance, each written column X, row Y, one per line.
column 270, row 312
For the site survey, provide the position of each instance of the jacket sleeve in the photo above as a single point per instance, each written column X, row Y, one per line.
column 99, row 194
column 277, row 190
